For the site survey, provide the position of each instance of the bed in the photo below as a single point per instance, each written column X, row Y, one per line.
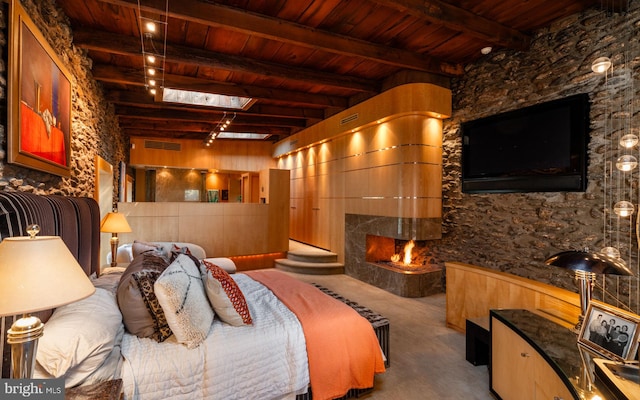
column 260, row 334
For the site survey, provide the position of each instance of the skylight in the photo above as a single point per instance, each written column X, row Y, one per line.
column 206, row 99
column 242, row 135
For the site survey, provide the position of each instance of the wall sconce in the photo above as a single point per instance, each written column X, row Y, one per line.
column 114, row 223
column 36, row 274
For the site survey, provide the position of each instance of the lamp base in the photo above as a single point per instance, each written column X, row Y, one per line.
column 114, row 250
column 23, row 337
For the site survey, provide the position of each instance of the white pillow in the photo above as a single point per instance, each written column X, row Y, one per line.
column 225, row 263
column 79, row 337
column 181, row 295
column 225, row 295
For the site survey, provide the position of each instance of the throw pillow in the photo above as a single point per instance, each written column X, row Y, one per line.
column 138, row 248
column 135, row 312
column 181, row 294
column 176, row 251
column 225, row 296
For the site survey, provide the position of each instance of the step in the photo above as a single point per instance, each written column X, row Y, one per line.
column 312, row 256
column 309, row 268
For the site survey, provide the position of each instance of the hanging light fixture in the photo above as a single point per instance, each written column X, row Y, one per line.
column 623, row 208
column 629, row 140
column 601, row 65
column 626, row 163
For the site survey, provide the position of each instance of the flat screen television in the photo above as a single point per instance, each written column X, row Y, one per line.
column 541, row 148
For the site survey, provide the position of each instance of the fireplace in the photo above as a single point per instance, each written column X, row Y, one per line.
column 394, row 254
column 405, row 256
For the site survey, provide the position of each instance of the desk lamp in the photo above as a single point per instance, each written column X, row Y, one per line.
column 36, row 274
column 114, row 223
column 585, row 266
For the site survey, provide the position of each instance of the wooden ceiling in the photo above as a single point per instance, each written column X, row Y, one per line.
column 301, row 60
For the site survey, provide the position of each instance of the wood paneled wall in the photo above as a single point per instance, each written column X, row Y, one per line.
column 382, row 157
column 222, row 229
column 226, row 155
column 472, row 291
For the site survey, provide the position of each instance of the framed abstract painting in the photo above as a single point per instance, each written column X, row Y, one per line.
column 40, row 90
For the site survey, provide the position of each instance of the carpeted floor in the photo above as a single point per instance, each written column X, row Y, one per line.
column 427, row 358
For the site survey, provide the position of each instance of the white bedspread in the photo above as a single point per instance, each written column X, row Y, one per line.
column 267, row 360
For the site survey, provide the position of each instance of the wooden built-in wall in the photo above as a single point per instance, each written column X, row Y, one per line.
column 382, row 157
column 222, row 155
column 222, row 229
column 472, row 291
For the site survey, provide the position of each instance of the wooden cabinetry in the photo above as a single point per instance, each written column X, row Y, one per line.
column 518, row 371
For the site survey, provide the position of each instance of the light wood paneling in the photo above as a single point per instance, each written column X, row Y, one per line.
column 222, row 155
column 472, row 291
column 222, row 229
column 387, row 162
column 415, row 98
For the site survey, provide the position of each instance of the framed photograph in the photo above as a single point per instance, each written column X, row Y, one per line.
column 610, row 331
column 39, row 117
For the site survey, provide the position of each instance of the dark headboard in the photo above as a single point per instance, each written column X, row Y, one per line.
column 75, row 219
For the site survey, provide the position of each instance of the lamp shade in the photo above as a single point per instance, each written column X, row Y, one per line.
column 114, row 222
column 597, row 263
column 38, row 274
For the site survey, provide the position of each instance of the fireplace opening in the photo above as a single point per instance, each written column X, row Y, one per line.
column 408, row 256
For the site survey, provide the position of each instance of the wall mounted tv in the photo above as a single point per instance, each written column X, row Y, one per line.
column 542, row 148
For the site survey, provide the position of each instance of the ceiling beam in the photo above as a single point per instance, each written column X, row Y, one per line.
column 194, row 127
column 217, row 15
column 91, row 39
column 458, row 19
column 135, row 77
column 204, row 116
column 144, row 100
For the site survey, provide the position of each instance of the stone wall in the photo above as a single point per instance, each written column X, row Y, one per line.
column 94, row 125
column 515, row 233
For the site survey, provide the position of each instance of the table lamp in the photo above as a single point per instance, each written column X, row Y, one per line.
column 585, row 266
column 36, row 274
column 114, row 223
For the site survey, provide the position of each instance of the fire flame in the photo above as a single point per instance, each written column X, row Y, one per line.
column 406, row 260
column 407, row 252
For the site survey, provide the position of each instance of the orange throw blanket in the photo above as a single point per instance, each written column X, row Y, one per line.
column 342, row 347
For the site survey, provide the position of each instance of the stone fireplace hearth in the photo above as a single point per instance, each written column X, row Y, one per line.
column 371, row 241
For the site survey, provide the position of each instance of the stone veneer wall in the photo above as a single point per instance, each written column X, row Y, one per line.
column 95, row 129
column 516, row 232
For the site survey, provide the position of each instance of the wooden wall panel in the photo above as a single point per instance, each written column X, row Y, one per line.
column 250, row 156
column 472, row 291
column 388, row 162
column 222, row 229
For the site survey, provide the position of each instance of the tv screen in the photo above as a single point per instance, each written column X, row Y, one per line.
column 542, row 148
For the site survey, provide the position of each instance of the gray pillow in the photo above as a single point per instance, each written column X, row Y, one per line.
column 138, row 248
column 139, row 318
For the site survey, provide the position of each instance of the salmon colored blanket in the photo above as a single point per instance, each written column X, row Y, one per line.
column 342, row 347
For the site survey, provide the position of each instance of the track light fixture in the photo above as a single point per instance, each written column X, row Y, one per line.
column 153, row 35
column 221, row 126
